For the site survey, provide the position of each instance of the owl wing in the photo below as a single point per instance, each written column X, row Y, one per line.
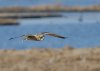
column 55, row 35
column 16, row 37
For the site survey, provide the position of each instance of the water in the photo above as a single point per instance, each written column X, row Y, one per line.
column 84, row 33
column 44, row 2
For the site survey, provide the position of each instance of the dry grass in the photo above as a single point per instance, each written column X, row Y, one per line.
column 43, row 59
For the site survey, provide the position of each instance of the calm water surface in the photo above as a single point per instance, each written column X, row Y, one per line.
column 45, row 2
column 85, row 33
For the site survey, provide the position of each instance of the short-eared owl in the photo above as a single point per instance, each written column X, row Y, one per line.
column 39, row 37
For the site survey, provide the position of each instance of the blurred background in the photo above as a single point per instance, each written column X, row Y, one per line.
column 46, row 2
column 77, row 19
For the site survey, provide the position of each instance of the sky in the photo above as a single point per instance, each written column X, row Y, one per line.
column 42, row 2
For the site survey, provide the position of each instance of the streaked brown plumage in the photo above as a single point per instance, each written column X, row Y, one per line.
column 40, row 36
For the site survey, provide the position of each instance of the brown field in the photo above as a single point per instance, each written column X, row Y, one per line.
column 50, row 59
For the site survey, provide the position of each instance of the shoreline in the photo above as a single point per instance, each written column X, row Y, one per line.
column 50, row 8
column 8, row 22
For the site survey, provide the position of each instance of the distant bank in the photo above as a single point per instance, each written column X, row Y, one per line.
column 8, row 22
column 50, row 8
column 9, row 15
